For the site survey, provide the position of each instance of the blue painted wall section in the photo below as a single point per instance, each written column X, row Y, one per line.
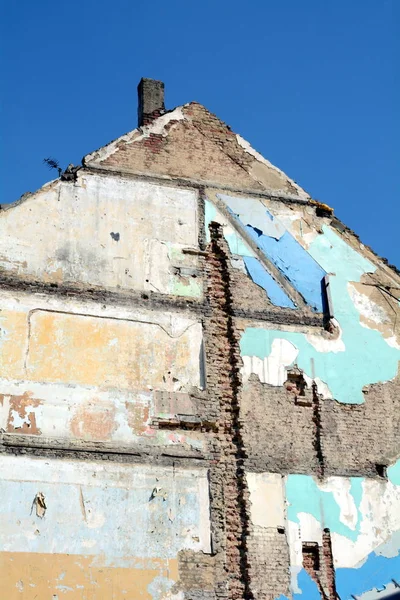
column 365, row 357
column 256, row 271
column 374, row 574
column 308, row 587
column 284, row 251
column 261, row 277
column 293, row 261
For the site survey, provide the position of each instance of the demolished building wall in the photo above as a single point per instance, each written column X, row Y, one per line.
column 199, row 390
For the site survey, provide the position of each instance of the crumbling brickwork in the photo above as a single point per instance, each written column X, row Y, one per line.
column 283, row 436
column 228, row 492
column 199, row 382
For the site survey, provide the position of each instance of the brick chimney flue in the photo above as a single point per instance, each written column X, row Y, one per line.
column 150, row 100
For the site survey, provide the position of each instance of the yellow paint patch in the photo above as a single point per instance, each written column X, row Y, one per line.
column 33, row 576
column 13, row 340
column 107, row 352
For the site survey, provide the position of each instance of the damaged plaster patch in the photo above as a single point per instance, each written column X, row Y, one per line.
column 266, row 499
column 273, row 368
column 366, row 307
column 157, row 127
column 40, row 505
column 247, row 148
column 252, row 212
column 372, row 316
column 327, row 344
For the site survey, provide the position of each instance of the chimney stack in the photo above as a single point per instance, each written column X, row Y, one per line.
column 150, row 100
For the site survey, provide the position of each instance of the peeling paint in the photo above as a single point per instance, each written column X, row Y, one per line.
column 81, row 533
column 97, row 257
column 359, row 356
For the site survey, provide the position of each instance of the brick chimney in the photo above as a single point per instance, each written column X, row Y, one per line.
column 150, row 100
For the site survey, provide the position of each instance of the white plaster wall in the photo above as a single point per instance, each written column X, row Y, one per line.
column 104, row 231
column 266, row 499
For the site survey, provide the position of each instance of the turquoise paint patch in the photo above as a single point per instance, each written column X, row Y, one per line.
column 367, row 357
column 261, row 277
column 393, row 473
column 308, row 587
column 304, row 496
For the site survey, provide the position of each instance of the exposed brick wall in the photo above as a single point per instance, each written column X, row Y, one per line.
column 229, row 494
column 268, row 553
column 356, row 438
column 277, row 432
column 196, row 575
column 184, row 152
column 323, row 438
column 318, row 562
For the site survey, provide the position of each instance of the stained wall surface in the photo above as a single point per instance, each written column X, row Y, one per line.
column 105, row 232
column 199, row 385
column 102, row 530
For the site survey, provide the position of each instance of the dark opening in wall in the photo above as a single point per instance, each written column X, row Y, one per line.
column 311, row 556
column 281, row 530
column 381, row 471
column 297, row 386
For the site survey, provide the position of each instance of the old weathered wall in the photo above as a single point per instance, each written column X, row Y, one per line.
column 97, row 530
column 314, row 402
column 199, row 386
column 109, row 232
column 83, row 371
column 341, row 534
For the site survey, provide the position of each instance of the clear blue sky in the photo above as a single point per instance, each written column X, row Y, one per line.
column 311, row 84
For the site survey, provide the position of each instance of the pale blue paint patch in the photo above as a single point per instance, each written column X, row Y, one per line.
column 304, row 496
column 295, row 263
column 261, row 277
column 290, row 258
column 393, row 473
column 112, row 522
column 308, row 587
column 235, row 242
column 375, row 573
column 237, row 245
column 391, row 547
column 282, row 597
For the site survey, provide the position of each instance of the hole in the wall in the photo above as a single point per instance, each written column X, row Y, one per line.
column 281, row 530
column 295, row 382
column 381, row 471
column 296, row 385
column 310, row 552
